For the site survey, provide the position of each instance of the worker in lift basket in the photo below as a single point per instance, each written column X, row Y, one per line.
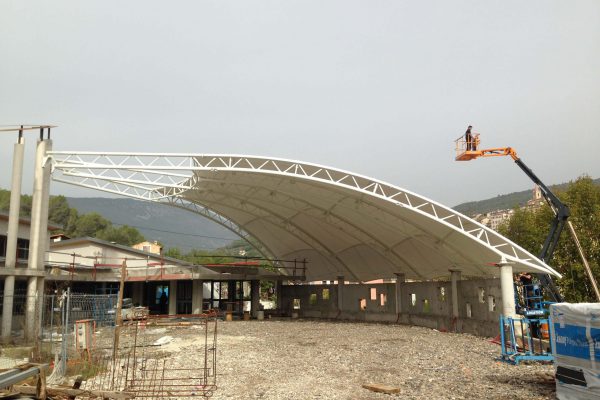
column 469, row 138
column 526, row 280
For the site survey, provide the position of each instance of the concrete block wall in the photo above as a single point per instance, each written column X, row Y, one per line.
column 427, row 304
column 484, row 299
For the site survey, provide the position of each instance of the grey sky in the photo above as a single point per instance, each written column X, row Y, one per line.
column 380, row 88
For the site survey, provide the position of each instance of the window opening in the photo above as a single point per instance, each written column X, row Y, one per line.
column 491, row 303
column 481, row 294
column 441, row 293
column 426, row 306
column 362, row 304
column 382, row 299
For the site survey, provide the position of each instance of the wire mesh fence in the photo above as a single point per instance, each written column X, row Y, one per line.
column 53, row 318
column 16, row 348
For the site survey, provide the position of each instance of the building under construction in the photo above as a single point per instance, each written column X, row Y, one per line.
column 340, row 245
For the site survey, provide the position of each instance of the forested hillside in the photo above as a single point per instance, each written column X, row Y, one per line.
column 505, row 201
column 75, row 224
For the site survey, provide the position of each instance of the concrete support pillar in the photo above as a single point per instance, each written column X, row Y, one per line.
column 400, row 279
column 340, row 293
column 197, row 296
column 138, row 293
column 38, row 241
column 41, row 289
column 455, row 277
column 508, row 290
column 11, row 240
column 30, row 309
column 173, row 298
column 7, row 306
column 254, row 297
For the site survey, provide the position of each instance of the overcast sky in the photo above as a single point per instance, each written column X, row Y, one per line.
column 380, row 88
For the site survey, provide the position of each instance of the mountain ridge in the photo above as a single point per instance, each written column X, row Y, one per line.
column 505, row 201
column 173, row 227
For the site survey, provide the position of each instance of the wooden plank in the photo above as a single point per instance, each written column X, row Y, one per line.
column 379, row 388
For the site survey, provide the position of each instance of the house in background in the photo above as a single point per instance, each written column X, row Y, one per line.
column 149, row 247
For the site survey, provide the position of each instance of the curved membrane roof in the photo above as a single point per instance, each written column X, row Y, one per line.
column 342, row 223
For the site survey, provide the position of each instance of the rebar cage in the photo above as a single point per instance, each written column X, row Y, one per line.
column 142, row 362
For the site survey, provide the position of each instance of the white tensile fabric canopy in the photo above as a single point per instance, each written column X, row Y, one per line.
column 342, row 223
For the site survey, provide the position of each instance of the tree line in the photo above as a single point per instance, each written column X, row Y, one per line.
column 74, row 224
column 530, row 228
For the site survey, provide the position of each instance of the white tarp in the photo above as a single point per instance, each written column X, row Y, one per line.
column 575, row 335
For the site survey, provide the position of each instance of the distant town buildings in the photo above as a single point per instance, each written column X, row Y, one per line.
column 494, row 219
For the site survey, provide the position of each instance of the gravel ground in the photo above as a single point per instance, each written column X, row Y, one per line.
column 307, row 359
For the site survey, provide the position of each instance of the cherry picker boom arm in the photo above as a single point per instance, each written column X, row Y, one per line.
column 467, row 149
column 561, row 214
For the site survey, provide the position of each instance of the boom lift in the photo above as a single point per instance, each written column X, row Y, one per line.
column 467, row 148
column 527, row 337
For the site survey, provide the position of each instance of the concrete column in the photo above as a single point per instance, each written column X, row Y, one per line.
column 30, row 309
column 279, row 293
column 508, row 290
column 400, row 279
column 340, row 293
column 455, row 277
column 197, row 296
column 173, row 298
column 7, row 307
column 38, row 240
column 41, row 289
column 254, row 297
column 11, row 240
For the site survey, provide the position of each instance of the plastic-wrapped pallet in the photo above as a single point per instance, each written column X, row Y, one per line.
column 575, row 335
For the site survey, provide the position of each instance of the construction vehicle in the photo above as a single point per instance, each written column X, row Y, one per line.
column 467, row 148
column 526, row 338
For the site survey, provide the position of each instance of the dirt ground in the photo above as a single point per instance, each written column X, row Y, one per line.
column 307, row 359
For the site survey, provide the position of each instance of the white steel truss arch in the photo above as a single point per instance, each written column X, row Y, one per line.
column 185, row 179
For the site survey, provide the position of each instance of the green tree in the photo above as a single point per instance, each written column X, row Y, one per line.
column 583, row 198
column 529, row 229
column 174, row 252
column 124, row 235
column 88, row 225
column 59, row 210
column 75, row 225
column 4, row 200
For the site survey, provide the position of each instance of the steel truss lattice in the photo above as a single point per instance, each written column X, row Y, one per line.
column 171, row 178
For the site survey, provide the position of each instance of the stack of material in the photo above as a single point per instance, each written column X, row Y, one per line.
column 575, row 335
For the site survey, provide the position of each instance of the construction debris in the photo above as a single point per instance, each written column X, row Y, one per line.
column 312, row 359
